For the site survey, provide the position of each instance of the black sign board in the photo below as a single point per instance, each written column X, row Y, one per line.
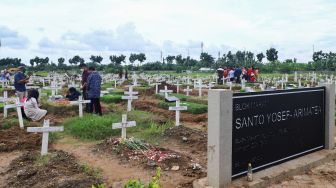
column 275, row 126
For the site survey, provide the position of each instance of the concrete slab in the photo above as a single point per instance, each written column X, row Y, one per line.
column 280, row 172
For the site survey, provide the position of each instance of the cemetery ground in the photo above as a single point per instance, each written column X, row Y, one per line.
column 90, row 153
column 90, row 143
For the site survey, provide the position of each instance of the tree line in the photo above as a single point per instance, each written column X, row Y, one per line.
column 321, row 61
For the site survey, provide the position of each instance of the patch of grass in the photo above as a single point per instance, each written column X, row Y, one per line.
column 12, row 122
column 53, row 136
column 42, row 160
column 92, row 127
column 152, row 132
column 111, row 99
column 118, row 92
column 193, row 108
column 88, row 170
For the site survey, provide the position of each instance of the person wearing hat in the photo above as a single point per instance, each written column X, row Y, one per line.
column 20, row 80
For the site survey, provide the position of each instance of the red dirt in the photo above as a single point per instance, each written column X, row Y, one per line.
column 15, row 138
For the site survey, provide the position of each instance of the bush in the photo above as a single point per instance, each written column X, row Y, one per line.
column 111, row 99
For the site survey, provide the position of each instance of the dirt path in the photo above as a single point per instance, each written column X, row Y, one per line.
column 113, row 172
column 5, row 160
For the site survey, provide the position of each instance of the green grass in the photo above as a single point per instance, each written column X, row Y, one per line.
column 111, row 99
column 193, row 108
column 42, row 160
column 92, row 127
column 8, row 123
column 185, row 98
column 118, row 92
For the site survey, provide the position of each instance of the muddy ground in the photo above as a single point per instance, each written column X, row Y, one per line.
column 15, row 138
column 58, row 169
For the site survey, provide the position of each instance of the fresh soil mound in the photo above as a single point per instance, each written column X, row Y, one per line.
column 137, row 153
column 195, row 138
column 60, row 170
column 150, row 105
column 15, row 138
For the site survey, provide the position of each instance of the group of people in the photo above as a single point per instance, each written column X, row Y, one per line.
column 91, row 89
column 236, row 74
column 4, row 75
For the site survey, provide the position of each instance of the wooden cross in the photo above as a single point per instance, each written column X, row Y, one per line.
column 199, row 86
column 80, row 103
column 130, row 97
column 45, row 136
column 17, row 105
column 5, row 99
column 177, row 87
column 123, row 125
column 187, row 90
column 166, row 91
column 177, row 110
column 157, row 87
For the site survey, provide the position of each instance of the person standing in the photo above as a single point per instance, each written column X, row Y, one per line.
column 231, row 75
column 85, row 76
column 93, row 90
column 20, row 80
column 238, row 73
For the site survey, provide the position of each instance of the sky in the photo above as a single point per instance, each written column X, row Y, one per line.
column 64, row 28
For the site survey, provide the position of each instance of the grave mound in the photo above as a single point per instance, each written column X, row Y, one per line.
column 58, row 169
column 15, row 138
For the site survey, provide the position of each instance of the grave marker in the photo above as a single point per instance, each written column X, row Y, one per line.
column 177, row 110
column 45, row 136
column 123, row 125
column 17, row 105
column 166, row 91
column 130, row 97
column 187, row 90
column 80, row 103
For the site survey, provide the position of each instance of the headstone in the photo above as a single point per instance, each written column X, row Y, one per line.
column 123, row 125
column 45, row 136
column 157, row 87
column 177, row 110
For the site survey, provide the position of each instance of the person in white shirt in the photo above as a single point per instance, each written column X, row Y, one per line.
column 231, row 75
column 31, row 107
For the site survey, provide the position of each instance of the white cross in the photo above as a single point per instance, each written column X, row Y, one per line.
column 177, row 87
column 230, row 85
column 130, row 97
column 187, row 90
column 123, row 125
column 45, row 136
column 80, row 103
column 157, row 87
column 299, row 83
column 199, row 86
column 166, row 91
column 243, row 84
column 177, row 110
column 17, row 105
column 5, row 99
column 211, row 84
column 54, row 89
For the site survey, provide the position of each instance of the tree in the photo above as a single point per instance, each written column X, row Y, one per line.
column 206, row 59
column 61, row 60
column 31, row 62
column 260, row 57
column 179, row 59
column 141, row 57
column 117, row 59
column 132, row 58
column 272, row 54
column 96, row 59
column 76, row 60
column 170, row 59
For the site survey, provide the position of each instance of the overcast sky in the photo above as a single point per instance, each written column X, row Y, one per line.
column 64, row 28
